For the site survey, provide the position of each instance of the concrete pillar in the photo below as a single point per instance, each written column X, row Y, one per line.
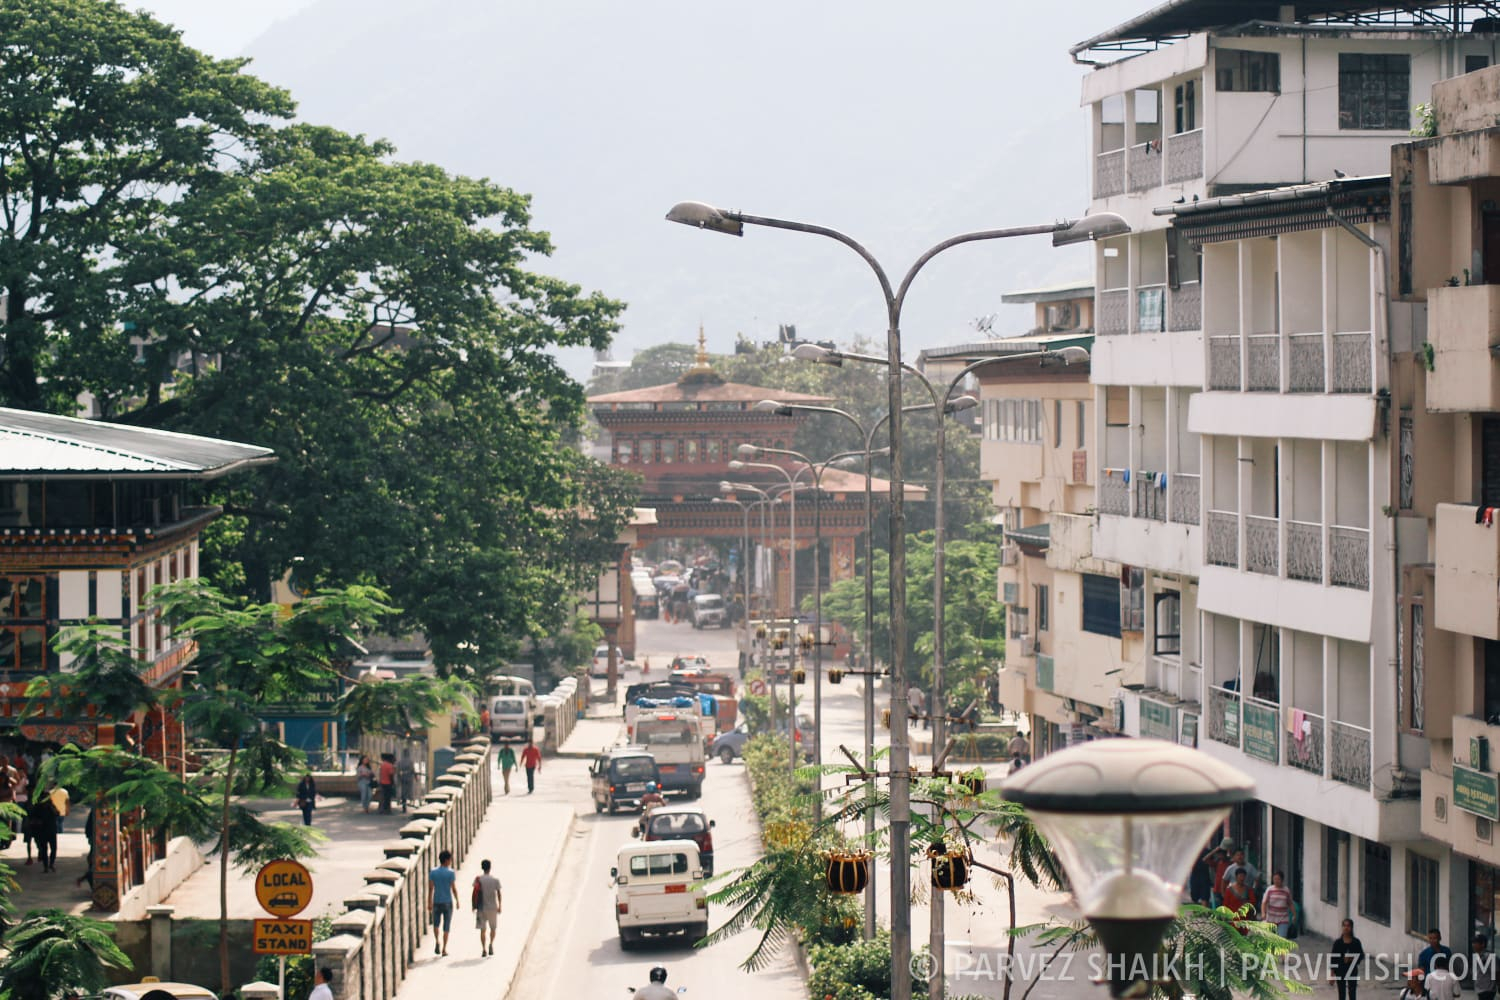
column 260, row 991
column 161, row 941
column 341, row 953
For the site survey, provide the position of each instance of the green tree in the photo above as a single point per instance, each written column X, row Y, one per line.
column 53, row 954
column 401, row 706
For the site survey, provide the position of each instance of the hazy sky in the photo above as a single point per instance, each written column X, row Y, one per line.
column 899, row 124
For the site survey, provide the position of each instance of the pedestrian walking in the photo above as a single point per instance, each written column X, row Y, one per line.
column 1435, row 947
column 1414, row 990
column 307, row 797
column 60, row 802
column 1442, row 984
column 531, row 759
column 1482, row 968
column 486, row 903
column 1276, row 905
column 365, row 774
column 406, row 777
column 324, row 989
column 1344, row 960
column 484, row 721
column 916, row 706
column 88, row 834
column 41, row 827
column 507, row 759
column 387, row 782
column 442, row 901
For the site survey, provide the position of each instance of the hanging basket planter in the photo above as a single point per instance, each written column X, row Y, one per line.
column 950, row 868
column 972, row 781
column 799, row 676
column 848, row 872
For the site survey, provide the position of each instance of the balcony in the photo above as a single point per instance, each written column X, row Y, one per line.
column 1352, row 363
column 1262, row 545
column 1109, row 174
column 1224, row 362
column 1113, row 312
column 1349, row 557
column 1467, row 573
column 1185, row 307
column 1263, row 361
column 1185, row 156
column 1223, row 539
column 1305, row 738
column 1305, row 368
column 1349, row 753
column 1114, row 493
column 1304, row 551
column 1150, row 496
column 1184, row 497
column 1145, row 166
column 1463, row 326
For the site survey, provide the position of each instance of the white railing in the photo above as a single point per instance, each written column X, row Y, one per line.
column 1262, row 545
column 1351, row 362
column 1113, row 312
column 1224, row 716
column 1224, row 362
column 1164, row 674
column 1304, row 551
column 1109, row 173
column 1150, row 498
column 1185, row 307
column 1263, row 362
column 1223, row 539
column 1184, row 497
column 1304, row 740
column 1185, row 156
column 1349, row 557
column 1349, row 754
column 1145, row 166
column 1305, row 366
column 1114, row 493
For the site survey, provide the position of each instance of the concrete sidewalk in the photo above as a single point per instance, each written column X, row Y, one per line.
column 524, row 839
column 591, row 735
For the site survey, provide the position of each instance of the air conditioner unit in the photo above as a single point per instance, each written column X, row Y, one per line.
column 1027, row 645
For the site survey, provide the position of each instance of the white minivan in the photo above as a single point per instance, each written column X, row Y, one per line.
column 659, row 891
column 510, row 718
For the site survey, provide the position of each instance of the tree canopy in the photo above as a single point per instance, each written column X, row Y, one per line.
column 176, row 249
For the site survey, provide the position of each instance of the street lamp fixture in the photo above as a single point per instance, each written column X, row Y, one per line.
column 703, row 216
column 1127, row 818
column 1099, row 226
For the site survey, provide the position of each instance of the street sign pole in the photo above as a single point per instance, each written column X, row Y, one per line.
column 281, row 976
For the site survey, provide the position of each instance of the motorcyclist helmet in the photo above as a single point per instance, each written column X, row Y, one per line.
column 650, row 786
column 658, row 975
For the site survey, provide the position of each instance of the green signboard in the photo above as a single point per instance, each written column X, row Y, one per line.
column 1158, row 720
column 1476, row 792
column 1479, row 753
column 1232, row 721
column 1261, row 731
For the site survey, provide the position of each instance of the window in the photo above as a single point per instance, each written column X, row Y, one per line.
column 1374, row 91
column 1491, row 680
column 23, row 597
column 1168, row 639
column 690, row 450
column 23, row 648
column 1132, row 599
column 668, row 450
column 1473, row 64
column 1057, row 423
column 713, row 449
column 1116, row 406
column 1083, row 423
column 1185, row 100
column 648, row 450
column 1421, row 893
column 1062, row 316
column 1184, row 261
column 1017, row 420
column 625, row 450
column 1247, row 72
column 1330, row 890
column 1375, row 882
column 1039, row 604
column 1101, row 604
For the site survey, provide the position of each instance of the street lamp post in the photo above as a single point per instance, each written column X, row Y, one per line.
column 704, row 216
column 1127, row 819
column 942, row 405
column 764, row 503
column 744, row 507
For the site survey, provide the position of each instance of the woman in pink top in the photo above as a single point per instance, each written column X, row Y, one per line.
column 1276, row 905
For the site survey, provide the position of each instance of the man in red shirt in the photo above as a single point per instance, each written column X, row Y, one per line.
column 531, row 759
column 387, row 781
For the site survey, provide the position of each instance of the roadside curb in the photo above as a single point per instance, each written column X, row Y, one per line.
column 550, row 866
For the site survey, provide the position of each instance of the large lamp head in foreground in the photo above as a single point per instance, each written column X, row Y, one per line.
column 1127, row 818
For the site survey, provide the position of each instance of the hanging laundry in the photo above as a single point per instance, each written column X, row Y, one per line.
column 1479, row 514
column 1161, row 480
column 1127, row 477
column 1489, row 517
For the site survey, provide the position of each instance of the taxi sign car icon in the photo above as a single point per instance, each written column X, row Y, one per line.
column 288, row 900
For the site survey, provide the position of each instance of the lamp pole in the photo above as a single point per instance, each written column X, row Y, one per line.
column 744, row 564
column 764, row 503
column 705, row 216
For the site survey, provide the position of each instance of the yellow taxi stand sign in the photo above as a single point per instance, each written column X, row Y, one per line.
column 284, row 888
column 283, row 937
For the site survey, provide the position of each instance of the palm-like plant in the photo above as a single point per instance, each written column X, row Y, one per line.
column 53, row 954
column 401, row 706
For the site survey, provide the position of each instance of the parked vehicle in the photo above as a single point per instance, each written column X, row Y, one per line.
column 675, row 739
column 519, row 686
column 657, row 891
column 510, row 718
column 721, row 686
column 646, row 604
column 688, row 663
column 708, row 611
column 600, row 667
column 728, row 746
column 682, row 823
column 177, row 991
column 618, row 778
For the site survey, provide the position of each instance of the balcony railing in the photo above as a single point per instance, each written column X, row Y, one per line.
column 1145, row 165
column 1150, row 498
column 1304, row 740
column 1224, row 716
column 1351, row 362
column 1184, row 156
column 1224, row 362
column 1184, row 497
column 1114, row 493
column 1114, row 311
column 1349, row 557
column 1263, row 361
column 1223, row 539
column 1164, row 674
column 1349, row 754
column 1185, row 307
column 1305, row 362
column 1109, row 173
column 1304, row 551
column 1262, row 545
column 1151, row 309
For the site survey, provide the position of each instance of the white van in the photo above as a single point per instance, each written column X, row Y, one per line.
column 517, row 686
column 658, row 891
column 510, row 718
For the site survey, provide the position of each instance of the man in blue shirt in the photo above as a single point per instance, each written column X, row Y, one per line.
column 1435, row 946
column 442, row 901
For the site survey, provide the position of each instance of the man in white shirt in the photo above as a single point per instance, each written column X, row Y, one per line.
column 487, row 905
column 324, row 989
column 1441, row 984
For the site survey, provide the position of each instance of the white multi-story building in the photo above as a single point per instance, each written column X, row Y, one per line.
column 1245, row 460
